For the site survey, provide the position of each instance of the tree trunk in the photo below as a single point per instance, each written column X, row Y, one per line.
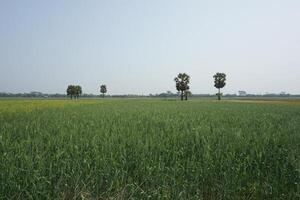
column 219, row 95
column 186, row 96
column 181, row 95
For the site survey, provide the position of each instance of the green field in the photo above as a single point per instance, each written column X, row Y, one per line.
column 149, row 149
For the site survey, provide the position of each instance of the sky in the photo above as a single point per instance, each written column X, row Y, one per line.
column 139, row 46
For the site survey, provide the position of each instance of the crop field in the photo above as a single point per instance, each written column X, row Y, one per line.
column 149, row 149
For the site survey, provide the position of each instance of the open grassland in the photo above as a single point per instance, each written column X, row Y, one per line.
column 149, row 149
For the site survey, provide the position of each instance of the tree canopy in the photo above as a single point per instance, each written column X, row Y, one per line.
column 103, row 89
column 74, row 91
column 220, row 79
column 182, row 84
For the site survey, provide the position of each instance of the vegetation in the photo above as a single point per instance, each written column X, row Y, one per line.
column 74, row 91
column 182, row 84
column 149, row 149
column 103, row 90
column 220, row 79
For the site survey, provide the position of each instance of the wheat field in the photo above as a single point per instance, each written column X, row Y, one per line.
column 149, row 149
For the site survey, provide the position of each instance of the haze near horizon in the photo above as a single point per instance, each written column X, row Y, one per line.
column 138, row 47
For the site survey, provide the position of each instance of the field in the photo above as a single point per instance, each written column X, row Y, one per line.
column 149, row 149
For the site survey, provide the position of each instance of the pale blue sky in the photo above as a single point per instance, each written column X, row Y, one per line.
column 138, row 46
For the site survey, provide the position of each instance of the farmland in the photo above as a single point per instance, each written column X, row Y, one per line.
column 149, row 149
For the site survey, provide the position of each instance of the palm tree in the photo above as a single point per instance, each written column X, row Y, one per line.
column 103, row 90
column 220, row 79
column 182, row 80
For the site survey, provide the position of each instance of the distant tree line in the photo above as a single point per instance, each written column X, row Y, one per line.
column 182, row 81
column 31, row 95
column 166, row 94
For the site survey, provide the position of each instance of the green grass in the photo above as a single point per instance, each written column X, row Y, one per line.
column 149, row 149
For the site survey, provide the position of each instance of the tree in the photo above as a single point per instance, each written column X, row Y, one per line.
column 74, row 91
column 78, row 91
column 103, row 90
column 182, row 80
column 220, row 79
column 71, row 91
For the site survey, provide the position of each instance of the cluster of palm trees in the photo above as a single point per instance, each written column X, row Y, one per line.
column 182, row 85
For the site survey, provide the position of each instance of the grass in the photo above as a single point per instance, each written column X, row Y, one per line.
column 149, row 149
